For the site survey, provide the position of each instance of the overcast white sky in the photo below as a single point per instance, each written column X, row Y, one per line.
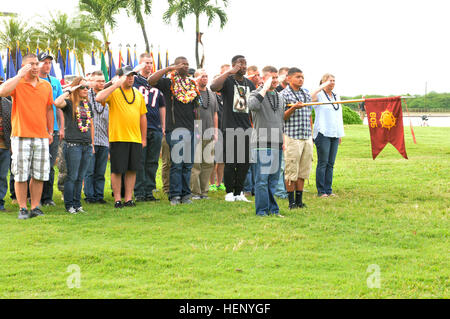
column 372, row 47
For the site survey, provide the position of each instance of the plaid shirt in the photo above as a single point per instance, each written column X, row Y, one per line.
column 298, row 126
column 101, row 120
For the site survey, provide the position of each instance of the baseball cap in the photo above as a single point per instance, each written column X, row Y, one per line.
column 126, row 70
column 44, row 55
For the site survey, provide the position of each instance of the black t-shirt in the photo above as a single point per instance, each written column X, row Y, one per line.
column 235, row 95
column 178, row 114
column 71, row 131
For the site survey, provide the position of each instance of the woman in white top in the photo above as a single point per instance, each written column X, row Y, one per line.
column 327, row 134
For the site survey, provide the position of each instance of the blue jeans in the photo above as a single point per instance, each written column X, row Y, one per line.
column 94, row 182
column 78, row 158
column 146, row 175
column 327, row 148
column 181, row 142
column 281, row 186
column 250, row 180
column 47, row 190
column 267, row 175
column 5, row 158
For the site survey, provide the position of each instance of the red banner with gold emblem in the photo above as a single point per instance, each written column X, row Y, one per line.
column 386, row 124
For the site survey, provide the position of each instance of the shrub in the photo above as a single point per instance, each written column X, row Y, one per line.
column 349, row 116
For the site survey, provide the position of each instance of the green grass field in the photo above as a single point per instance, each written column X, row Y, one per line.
column 392, row 213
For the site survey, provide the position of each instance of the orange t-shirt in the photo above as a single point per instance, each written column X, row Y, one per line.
column 29, row 109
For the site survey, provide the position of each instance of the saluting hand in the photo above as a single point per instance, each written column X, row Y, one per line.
column 24, row 70
column 267, row 84
column 236, row 68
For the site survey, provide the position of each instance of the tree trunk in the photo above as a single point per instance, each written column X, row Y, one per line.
column 197, row 35
column 147, row 46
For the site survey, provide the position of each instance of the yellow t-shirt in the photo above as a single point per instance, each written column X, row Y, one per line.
column 124, row 118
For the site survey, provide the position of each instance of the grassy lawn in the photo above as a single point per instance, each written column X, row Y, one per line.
column 392, row 213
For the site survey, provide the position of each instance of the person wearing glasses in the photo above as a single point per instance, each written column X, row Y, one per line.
column 327, row 134
column 79, row 135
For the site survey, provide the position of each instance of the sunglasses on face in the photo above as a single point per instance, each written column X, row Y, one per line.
column 83, row 87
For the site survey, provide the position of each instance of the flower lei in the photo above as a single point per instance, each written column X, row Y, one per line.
column 84, row 128
column 184, row 90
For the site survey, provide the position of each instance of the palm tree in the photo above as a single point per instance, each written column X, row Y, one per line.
column 63, row 32
column 15, row 31
column 135, row 8
column 101, row 13
column 183, row 8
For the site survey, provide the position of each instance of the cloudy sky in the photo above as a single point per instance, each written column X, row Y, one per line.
column 372, row 47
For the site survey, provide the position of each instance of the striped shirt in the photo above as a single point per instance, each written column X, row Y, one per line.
column 298, row 126
column 101, row 120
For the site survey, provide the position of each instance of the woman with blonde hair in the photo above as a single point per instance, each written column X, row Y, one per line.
column 327, row 134
column 79, row 135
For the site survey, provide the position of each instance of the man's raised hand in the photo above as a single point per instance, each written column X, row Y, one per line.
column 24, row 70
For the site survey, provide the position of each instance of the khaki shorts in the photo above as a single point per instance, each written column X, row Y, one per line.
column 298, row 155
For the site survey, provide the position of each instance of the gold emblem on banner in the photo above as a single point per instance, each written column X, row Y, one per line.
column 388, row 120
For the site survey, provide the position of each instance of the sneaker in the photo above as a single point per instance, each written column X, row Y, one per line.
column 221, row 187
column 204, row 197
column 196, row 197
column 186, row 201
column 72, row 210
column 37, row 212
column 48, row 203
column 24, row 214
column 118, row 204
column 293, row 206
column 130, row 203
column 102, row 201
column 230, row 197
column 151, row 198
column 279, row 215
column 213, row 188
column 242, row 198
column 175, row 201
column 80, row 210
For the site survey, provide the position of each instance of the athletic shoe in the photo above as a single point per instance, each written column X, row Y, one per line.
column 48, row 203
column 230, row 197
column 24, row 214
column 221, row 187
column 241, row 198
column 37, row 212
column 196, row 197
column 80, row 210
column 186, row 200
column 213, row 188
column 175, row 201
column 118, row 204
column 130, row 203
column 279, row 215
column 293, row 206
column 72, row 210
column 204, row 197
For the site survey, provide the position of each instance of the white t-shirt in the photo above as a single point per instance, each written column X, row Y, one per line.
column 328, row 120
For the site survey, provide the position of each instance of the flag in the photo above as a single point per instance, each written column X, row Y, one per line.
column 104, row 68
column 37, row 51
column 28, row 49
column 129, row 58
column 2, row 71
column 10, row 68
column 153, row 63
column 68, row 64
column 112, row 66
column 159, row 61
column 18, row 57
column 386, row 124
column 92, row 57
column 52, row 70
column 121, row 64
column 61, row 64
column 135, row 59
column 167, row 58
